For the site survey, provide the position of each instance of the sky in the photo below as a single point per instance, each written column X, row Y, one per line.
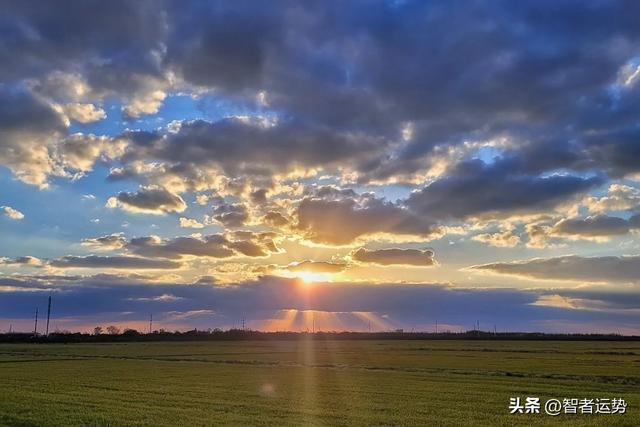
column 361, row 165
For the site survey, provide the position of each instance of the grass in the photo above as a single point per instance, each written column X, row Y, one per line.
column 444, row 383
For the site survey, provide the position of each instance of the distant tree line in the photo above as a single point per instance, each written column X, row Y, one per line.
column 113, row 334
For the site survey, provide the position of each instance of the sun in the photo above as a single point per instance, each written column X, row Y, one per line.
column 312, row 277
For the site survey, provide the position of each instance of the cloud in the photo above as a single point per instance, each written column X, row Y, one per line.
column 12, row 213
column 317, row 267
column 275, row 219
column 395, row 256
column 597, row 226
column 106, row 298
column 79, row 152
column 190, row 223
column 471, row 189
column 161, row 298
column 109, row 242
column 342, row 221
column 147, row 103
column 539, row 235
column 241, row 243
column 28, row 127
column 625, row 269
column 106, row 28
column 151, row 200
column 28, row 261
column 35, row 143
column 253, row 146
column 115, row 262
column 619, row 198
column 343, row 110
column 231, row 215
column 477, row 189
column 504, row 239
column 84, row 113
column 491, row 111
column 259, row 196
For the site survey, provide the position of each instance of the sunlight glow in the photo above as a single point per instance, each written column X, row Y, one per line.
column 319, row 320
column 312, row 277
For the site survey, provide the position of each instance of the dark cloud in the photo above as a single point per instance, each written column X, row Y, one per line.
column 475, row 188
column 110, row 45
column 556, row 81
column 150, row 199
column 255, row 146
column 259, row 196
column 573, row 267
column 205, row 48
column 116, row 262
column 47, row 36
column 592, row 227
column 394, row 256
column 105, row 299
column 214, row 245
column 28, row 261
column 275, row 219
column 231, row 215
column 616, row 150
column 482, row 109
column 459, row 72
column 471, row 189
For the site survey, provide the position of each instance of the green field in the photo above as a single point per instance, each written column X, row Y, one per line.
column 310, row 382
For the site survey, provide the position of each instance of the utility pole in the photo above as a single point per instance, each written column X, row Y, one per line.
column 243, row 324
column 436, row 326
column 35, row 326
column 48, row 315
column 313, row 324
column 150, row 322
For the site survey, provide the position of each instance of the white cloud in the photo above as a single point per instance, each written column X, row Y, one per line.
column 11, row 212
column 84, row 113
column 148, row 103
column 190, row 223
column 505, row 239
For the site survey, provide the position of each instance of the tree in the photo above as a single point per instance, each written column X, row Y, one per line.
column 113, row 330
column 97, row 330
